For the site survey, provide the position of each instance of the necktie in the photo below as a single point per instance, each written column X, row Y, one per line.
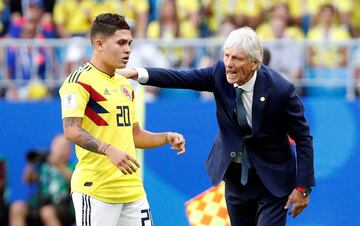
column 241, row 113
column 246, row 130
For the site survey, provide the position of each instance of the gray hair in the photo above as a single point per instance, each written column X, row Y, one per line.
column 245, row 39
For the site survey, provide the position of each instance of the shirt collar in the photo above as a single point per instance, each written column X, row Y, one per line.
column 100, row 71
column 249, row 86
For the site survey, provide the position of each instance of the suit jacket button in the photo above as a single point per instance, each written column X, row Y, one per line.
column 233, row 154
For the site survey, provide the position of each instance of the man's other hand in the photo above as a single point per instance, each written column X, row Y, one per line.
column 177, row 141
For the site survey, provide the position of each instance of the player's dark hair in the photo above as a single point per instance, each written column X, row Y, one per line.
column 107, row 24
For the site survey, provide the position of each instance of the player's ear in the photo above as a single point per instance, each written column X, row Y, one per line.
column 98, row 44
column 254, row 65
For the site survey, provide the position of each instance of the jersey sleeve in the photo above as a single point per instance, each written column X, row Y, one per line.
column 74, row 99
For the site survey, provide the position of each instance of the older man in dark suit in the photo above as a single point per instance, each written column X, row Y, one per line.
column 257, row 109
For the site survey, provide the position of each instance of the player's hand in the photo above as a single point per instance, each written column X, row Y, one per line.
column 299, row 203
column 122, row 160
column 129, row 73
column 177, row 142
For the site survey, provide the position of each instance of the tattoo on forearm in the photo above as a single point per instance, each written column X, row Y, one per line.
column 68, row 122
column 87, row 141
column 83, row 138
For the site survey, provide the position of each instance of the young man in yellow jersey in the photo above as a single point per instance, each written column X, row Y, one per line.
column 99, row 116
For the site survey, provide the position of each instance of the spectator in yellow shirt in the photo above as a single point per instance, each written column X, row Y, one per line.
column 343, row 8
column 136, row 13
column 283, row 48
column 327, row 29
column 188, row 12
column 168, row 27
column 72, row 17
column 279, row 12
column 327, row 61
column 355, row 18
column 241, row 13
column 103, row 6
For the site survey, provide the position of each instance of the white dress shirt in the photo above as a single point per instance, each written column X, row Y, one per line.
column 143, row 75
column 247, row 97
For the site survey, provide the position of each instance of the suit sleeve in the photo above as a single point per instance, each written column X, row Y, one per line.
column 299, row 131
column 195, row 79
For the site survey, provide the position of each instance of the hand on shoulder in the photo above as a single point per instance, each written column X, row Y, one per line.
column 129, row 73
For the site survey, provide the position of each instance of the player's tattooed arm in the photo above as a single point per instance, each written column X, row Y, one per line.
column 75, row 133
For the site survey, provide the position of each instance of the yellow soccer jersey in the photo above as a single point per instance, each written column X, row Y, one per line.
column 265, row 32
column 343, row 6
column 107, row 108
column 74, row 15
column 328, row 55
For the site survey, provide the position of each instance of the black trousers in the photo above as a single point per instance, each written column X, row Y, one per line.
column 252, row 204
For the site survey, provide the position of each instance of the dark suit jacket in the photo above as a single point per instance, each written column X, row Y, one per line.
column 277, row 112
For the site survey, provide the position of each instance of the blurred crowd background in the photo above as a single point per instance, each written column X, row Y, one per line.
column 315, row 44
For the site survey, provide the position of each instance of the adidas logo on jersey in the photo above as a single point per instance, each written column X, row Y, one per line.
column 106, row 92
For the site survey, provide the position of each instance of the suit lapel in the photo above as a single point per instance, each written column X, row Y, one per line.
column 260, row 97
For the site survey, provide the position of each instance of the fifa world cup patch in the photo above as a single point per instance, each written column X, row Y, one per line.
column 126, row 92
column 69, row 101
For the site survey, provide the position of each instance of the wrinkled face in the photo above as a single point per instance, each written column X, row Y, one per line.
column 115, row 50
column 239, row 66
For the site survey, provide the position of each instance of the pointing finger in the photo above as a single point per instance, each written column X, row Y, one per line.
column 287, row 203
